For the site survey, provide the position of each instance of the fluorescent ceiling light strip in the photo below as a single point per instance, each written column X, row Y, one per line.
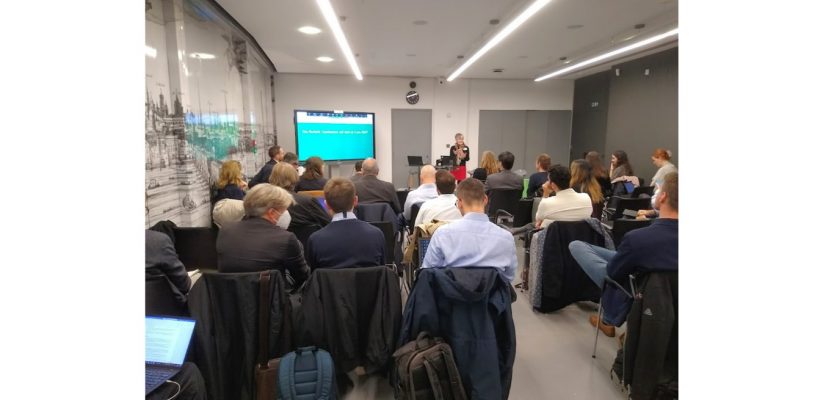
column 525, row 15
column 334, row 24
column 610, row 54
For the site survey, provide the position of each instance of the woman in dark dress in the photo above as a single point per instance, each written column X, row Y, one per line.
column 599, row 173
column 312, row 178
column 230, row 184
column 583, row 181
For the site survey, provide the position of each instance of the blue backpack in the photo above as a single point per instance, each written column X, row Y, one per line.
column 307, row 374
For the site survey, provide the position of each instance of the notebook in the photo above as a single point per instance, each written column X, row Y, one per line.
column 167, row 340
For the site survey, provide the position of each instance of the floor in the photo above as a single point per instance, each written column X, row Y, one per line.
column 553, row 357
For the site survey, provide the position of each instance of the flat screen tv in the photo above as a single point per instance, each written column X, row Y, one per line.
column 334, row 136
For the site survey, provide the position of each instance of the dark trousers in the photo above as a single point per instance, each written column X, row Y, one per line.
column 192, row 386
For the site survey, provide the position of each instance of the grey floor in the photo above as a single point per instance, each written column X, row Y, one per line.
column 553, row 358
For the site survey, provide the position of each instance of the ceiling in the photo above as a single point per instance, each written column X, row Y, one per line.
column 422, row 38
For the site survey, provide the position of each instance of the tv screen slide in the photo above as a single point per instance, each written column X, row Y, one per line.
column 334, row 136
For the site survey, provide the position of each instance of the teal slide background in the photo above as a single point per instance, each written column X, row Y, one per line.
column 335, row 141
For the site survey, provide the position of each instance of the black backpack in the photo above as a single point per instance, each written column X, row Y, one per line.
column 425, row 369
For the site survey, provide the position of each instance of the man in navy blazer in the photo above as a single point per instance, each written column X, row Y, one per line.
column 347, row 241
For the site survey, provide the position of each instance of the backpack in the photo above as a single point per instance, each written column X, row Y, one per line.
column 425, row 369
column 306, row 374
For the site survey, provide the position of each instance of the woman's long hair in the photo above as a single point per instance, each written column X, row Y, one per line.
column 623, row 159
column 314, row 168
column 230, row 173
column 593, row 158
column 489, row 163
column 583, row 178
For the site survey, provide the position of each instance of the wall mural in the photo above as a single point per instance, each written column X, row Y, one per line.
column 208, row 99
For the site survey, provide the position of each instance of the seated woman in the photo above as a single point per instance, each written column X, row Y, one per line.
column 488, row 166
column 660, row 159
column 307, row 216
column 620, row 172
column 312, row 178
column 599, row 173
column 230, row 184
column 583, row 181
column 260, row 240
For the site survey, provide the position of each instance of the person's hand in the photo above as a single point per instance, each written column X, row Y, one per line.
column 243, row 185
column 547, row 190
column 645, row 214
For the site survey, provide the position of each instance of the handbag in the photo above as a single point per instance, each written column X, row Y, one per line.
column 265, row 371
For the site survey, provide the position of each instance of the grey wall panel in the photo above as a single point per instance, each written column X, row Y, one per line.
column 526, row 134
column 558, row 135
column 591, row 108
column 411, row 136
column 502, row 130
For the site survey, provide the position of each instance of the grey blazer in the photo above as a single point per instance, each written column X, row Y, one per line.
column 372, row 190
column 505, row 179
column 161, row 259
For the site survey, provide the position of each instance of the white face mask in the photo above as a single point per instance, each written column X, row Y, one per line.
column 284, row 220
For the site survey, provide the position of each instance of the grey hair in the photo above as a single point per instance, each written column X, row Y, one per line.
column 370, row 167
column 264, row 196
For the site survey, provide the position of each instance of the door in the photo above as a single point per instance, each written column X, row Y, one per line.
column 411, row 136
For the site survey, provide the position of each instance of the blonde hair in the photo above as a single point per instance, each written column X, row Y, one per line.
column 283, row 175
column 264, row 196
column 582, row 176
column 489, row 163
column 230, row 174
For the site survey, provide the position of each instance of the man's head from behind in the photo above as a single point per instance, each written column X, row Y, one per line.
column 276, row 153
column 444, row 181
column 340, row 195
column 358, row 167
column 370, row 167
column 666, row 200
column 506, row 159
column 291, row 159
column 427, row 174
column 471, row 196
column 559, row 177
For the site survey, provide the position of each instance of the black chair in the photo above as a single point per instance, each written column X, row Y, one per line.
column 503, row 200
column 523, row 212
column 160, row 299
column 415, row 209
column 641, row 190
column 382, row 212
column 402, row 195
column 619, row 204
column 622, row 226
column 388, row 233
column 196, row 247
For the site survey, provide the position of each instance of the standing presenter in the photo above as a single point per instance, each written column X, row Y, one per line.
column 460, row 154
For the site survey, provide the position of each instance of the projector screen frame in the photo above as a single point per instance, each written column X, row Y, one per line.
column 374, row 132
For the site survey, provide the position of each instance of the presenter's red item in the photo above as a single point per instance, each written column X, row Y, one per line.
column 459, row 173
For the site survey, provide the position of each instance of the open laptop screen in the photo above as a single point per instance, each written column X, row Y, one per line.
column 167, row 339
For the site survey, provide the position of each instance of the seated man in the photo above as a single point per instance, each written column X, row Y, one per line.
column 472, row 241
column 371, row 190
column 276, row 154
column 653, row 248
column 260, row 240
column 161, row 259
column 566, row 205
column 346, row 241
column 505, row 179
column 443, row 207
column 358, row 171
column 426, row 190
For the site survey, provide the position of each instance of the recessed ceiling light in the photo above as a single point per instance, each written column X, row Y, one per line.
column 309, row 30
column 494, row 21
column 563, row 58
column 411, row 55
column 325, row 59
column 610, row 54
column 522, row 57
column 460, row 57
column 202, row 56
column 420, row 22
column 536, row 6
column 575, row 26
column 639, row 26
column 334, row 23
column 497, row 70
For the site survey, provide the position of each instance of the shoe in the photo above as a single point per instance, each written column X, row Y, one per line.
column 607, row 330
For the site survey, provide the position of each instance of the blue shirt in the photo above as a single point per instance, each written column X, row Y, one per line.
column 472, row 242
column 423, row 192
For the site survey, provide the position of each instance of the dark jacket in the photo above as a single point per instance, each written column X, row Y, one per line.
column 231, row 191
column 346, row 243
column 161, row 259
column 653, row 248
column 536, row 181
column 255, row 244
column 505, row 179
column 564, row 282
column 226, row 334
column 371, row 190
column 376, row 213
column 453, row 153
column 310, row 184
column 307, row 217
column 264, row 174
column 354, row 314
column 480, row 174
column 471, row 309
column 651, row 335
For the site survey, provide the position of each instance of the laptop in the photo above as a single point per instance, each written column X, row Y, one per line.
column 415, row 161
column 167, row 340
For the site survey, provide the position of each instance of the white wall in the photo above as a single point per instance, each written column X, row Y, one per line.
column 455, row 105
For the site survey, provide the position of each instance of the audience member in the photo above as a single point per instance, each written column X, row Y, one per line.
column 358, row 171
column 583, row 181
column 260, row 240
column 426, row 191
column 312, row 178
column 599, row 172
column 488, row 166
column 307, row 215
column 442, row 207
column 620, row 165
column 660, row 159
column 227, row 211
column 371, row 190
column 230, row 183
column 276, row 154
column 291, row 159
column 505, row 179
column 537, row 179
column 161, row 259
column 566, row 205
column 346, row 241
column 653, row 248
column 472, row 241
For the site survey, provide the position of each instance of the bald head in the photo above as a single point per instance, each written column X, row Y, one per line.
column 427, row 174
column 370, row 167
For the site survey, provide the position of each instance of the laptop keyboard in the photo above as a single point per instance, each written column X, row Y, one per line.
column 157, row 375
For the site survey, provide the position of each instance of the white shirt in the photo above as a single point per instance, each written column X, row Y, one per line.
column 441, row 208
column 566, row 205
column 426, row 191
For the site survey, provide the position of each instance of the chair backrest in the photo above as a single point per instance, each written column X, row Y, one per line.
column 160, row 298
column 402, row 195
column 535, row 204
column 312, row 193
column 625, row 203
column 503, row 199
column 376, row 212
column 424, row 245
column 196, row 247
column 388, row 233
column 523, row 212
column 415, row 209
column 647, row 190
column 622, row 226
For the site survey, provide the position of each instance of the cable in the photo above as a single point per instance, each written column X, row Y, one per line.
column 178, row 390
